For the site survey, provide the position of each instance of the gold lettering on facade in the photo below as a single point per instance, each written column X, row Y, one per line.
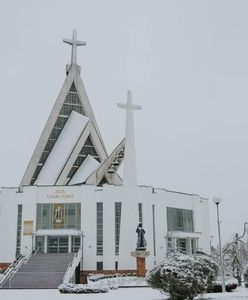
column 60, row 194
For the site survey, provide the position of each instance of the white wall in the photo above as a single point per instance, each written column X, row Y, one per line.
column 9, row 199
column 88, row 196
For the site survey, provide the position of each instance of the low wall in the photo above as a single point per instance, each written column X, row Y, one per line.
column 4, row 266
column 85, row 273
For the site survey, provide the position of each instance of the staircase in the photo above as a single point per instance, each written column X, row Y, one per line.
column 42, row 271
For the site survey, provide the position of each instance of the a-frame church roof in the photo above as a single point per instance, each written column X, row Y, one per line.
column 71, row 149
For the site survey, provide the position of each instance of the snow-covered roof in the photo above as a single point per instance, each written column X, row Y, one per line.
column 86, row 168
column 62, row 149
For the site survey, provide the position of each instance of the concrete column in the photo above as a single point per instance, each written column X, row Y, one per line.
column 175, row 243
column 189, row 245
column 69, row 243
column 45, row 244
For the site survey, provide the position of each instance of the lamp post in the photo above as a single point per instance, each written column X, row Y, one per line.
column 217, row 202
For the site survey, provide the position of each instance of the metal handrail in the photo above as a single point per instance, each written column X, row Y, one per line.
column 12, row 271
column 17, row 266
column 9, row 270
column 72, row 265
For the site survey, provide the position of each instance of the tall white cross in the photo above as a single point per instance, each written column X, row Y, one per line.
column 129, row 172
column 74, row 43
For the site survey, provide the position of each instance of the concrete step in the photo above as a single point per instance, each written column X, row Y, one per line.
column 41, row 271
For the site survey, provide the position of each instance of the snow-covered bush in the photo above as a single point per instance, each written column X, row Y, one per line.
column 183, row 276
column 71, row 288
column 217, row 286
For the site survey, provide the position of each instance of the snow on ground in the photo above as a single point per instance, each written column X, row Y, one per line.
column 120, row 294
column 239, row 293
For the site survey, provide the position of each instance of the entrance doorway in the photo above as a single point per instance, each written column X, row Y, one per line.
column 57, row 244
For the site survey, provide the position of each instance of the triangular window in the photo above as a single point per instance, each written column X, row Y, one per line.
column 73, row 88
column 72, row 103
column 103, row 181
column 87, row 149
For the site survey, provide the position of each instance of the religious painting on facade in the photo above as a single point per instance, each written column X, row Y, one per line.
column 28, row 227
column 58, row 215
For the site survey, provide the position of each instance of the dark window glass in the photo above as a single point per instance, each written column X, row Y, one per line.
column 19, row 230
column 180, row 219
column 44, row 157
column 37, row 171
column 140, row 212
column 49, row 145
column 99, row 265
column 79, row 161
column 99, row 226
column 55, row 133
column 60, row 122
column 117, row 226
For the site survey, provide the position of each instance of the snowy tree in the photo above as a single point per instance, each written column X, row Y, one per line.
column 235, row 257
column 245, row 274
column 183, row 276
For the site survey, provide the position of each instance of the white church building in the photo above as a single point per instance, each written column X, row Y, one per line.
column 72, row 198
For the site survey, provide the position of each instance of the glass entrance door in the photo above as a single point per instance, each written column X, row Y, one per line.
column 75, row 244
column 57, row 244
column 181, row 245
column 40, row 243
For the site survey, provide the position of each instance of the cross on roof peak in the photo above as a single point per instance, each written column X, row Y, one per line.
column 74, row 43
column 129, row 172
column 129, row 105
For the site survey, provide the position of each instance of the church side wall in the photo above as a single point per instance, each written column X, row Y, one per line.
column 9, row 198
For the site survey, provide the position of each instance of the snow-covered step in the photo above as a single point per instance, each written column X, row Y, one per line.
column 41, row 271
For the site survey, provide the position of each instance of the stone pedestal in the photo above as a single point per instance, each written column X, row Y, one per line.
column 140, row 261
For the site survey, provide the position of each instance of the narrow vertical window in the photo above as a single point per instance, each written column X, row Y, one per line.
column 117, row 226
column 99, row 228
column 140, row 213
column 19, row 230
column 153, row 230
column 99, row 265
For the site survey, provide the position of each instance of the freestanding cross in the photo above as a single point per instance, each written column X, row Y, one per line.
column 129, row 172
column 74, row 43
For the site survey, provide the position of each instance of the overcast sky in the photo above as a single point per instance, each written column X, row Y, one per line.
column 186, row 63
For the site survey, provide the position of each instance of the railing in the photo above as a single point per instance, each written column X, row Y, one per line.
column 103, row 168
column 69, row 273
column 13, row 268
column 7, row 273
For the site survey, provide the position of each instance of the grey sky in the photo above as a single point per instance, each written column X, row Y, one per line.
column 186, row 63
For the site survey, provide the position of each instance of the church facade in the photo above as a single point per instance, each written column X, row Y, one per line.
column 71, row 196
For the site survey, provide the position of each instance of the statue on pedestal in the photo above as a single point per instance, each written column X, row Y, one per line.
column 141, row 242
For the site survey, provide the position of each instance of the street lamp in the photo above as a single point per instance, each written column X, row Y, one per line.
column 217, row 202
